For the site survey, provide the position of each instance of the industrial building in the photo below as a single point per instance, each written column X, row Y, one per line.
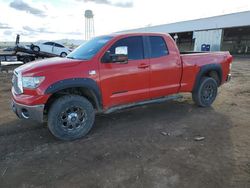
column 230, row 32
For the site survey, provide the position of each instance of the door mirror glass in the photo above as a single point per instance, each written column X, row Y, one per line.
column 121, row 50
column 121, row 55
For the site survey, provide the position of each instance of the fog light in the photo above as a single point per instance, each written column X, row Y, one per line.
column 25, row 113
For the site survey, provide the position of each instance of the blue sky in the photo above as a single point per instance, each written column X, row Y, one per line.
column 60, row 19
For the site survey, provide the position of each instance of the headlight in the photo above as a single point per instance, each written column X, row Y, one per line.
column 32, row 82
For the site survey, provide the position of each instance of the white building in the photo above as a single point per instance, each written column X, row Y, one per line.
column 226, row 32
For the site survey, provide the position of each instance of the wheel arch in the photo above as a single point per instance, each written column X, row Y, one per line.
column 210, row 70
column 80, row 86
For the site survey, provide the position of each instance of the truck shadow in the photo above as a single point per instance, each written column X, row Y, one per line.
column 145, row 146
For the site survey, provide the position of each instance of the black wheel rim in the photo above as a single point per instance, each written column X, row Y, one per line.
column 208, row 92
column 73, row 118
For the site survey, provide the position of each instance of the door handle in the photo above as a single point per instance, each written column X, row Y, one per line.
column 143, row 66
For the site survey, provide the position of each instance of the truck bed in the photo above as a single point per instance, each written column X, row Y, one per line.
column 192, row 62
column 202, row 58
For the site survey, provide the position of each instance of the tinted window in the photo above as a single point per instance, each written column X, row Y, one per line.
column 158, row 46
column 135, row 47
column 49, row 43
column 87, row 50
column 59, row 45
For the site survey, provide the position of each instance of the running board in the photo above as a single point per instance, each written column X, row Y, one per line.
column 159, row 100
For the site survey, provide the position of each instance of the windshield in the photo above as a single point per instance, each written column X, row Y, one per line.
column 87, row 50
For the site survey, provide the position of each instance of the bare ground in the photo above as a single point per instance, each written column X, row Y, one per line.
column 150, row 146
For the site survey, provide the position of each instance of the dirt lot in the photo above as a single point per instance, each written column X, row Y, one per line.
column 150, row 146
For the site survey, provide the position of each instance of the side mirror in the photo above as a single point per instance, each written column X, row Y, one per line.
column 106, row 58
column 120, row 56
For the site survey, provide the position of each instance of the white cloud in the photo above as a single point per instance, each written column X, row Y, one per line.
column 23, row 6
column 65, row 19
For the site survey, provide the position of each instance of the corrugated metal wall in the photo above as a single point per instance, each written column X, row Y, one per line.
column 211, row 37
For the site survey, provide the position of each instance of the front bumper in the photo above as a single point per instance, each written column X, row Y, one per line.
column 28, row 112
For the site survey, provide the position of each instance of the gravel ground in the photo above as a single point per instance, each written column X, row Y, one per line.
column 149, row 146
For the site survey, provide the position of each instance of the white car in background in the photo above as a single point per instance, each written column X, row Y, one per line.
column 51, row 47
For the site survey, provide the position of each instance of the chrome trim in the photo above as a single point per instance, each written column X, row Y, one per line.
column 24, row 116
column 17, row 82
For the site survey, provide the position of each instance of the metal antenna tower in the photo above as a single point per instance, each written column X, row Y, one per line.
column 89, row 24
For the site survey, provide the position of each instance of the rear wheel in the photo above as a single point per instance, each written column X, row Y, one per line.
column 206, row 91
column 63, row 54
column 71, row 117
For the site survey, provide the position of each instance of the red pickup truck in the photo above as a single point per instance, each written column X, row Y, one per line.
column 110, row 73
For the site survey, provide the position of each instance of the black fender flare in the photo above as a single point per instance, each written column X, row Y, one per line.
column 205, row 69
column 86, row 83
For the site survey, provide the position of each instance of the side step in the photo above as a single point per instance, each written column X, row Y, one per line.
column 159, row 100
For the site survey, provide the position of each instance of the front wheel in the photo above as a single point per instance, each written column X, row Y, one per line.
column 36, row 48
column 71, row 117
column 205, row 93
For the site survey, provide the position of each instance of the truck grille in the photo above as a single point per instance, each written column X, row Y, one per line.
column 15, row 84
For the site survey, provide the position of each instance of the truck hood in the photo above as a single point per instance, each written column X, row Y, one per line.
column 40, row 66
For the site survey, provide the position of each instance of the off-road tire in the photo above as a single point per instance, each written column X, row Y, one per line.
column 205, row 92
column 61, row 107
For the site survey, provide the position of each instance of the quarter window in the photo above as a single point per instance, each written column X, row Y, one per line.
column 59, row 45
column 158, row 46
column 135, row 47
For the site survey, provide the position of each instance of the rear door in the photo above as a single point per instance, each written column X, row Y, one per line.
column 126, row 83
column 165, row 67
column 58, row 49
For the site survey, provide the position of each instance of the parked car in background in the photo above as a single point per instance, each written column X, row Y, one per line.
column 8, row 49
column 51, row 47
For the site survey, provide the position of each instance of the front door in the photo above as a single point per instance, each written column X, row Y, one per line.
column 58, row 49
column 125, row 83
column 47, row 47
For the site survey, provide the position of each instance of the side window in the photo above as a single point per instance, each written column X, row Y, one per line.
column 47, row 43
column 59, row 45
column 158, row 46
column 135, row 47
